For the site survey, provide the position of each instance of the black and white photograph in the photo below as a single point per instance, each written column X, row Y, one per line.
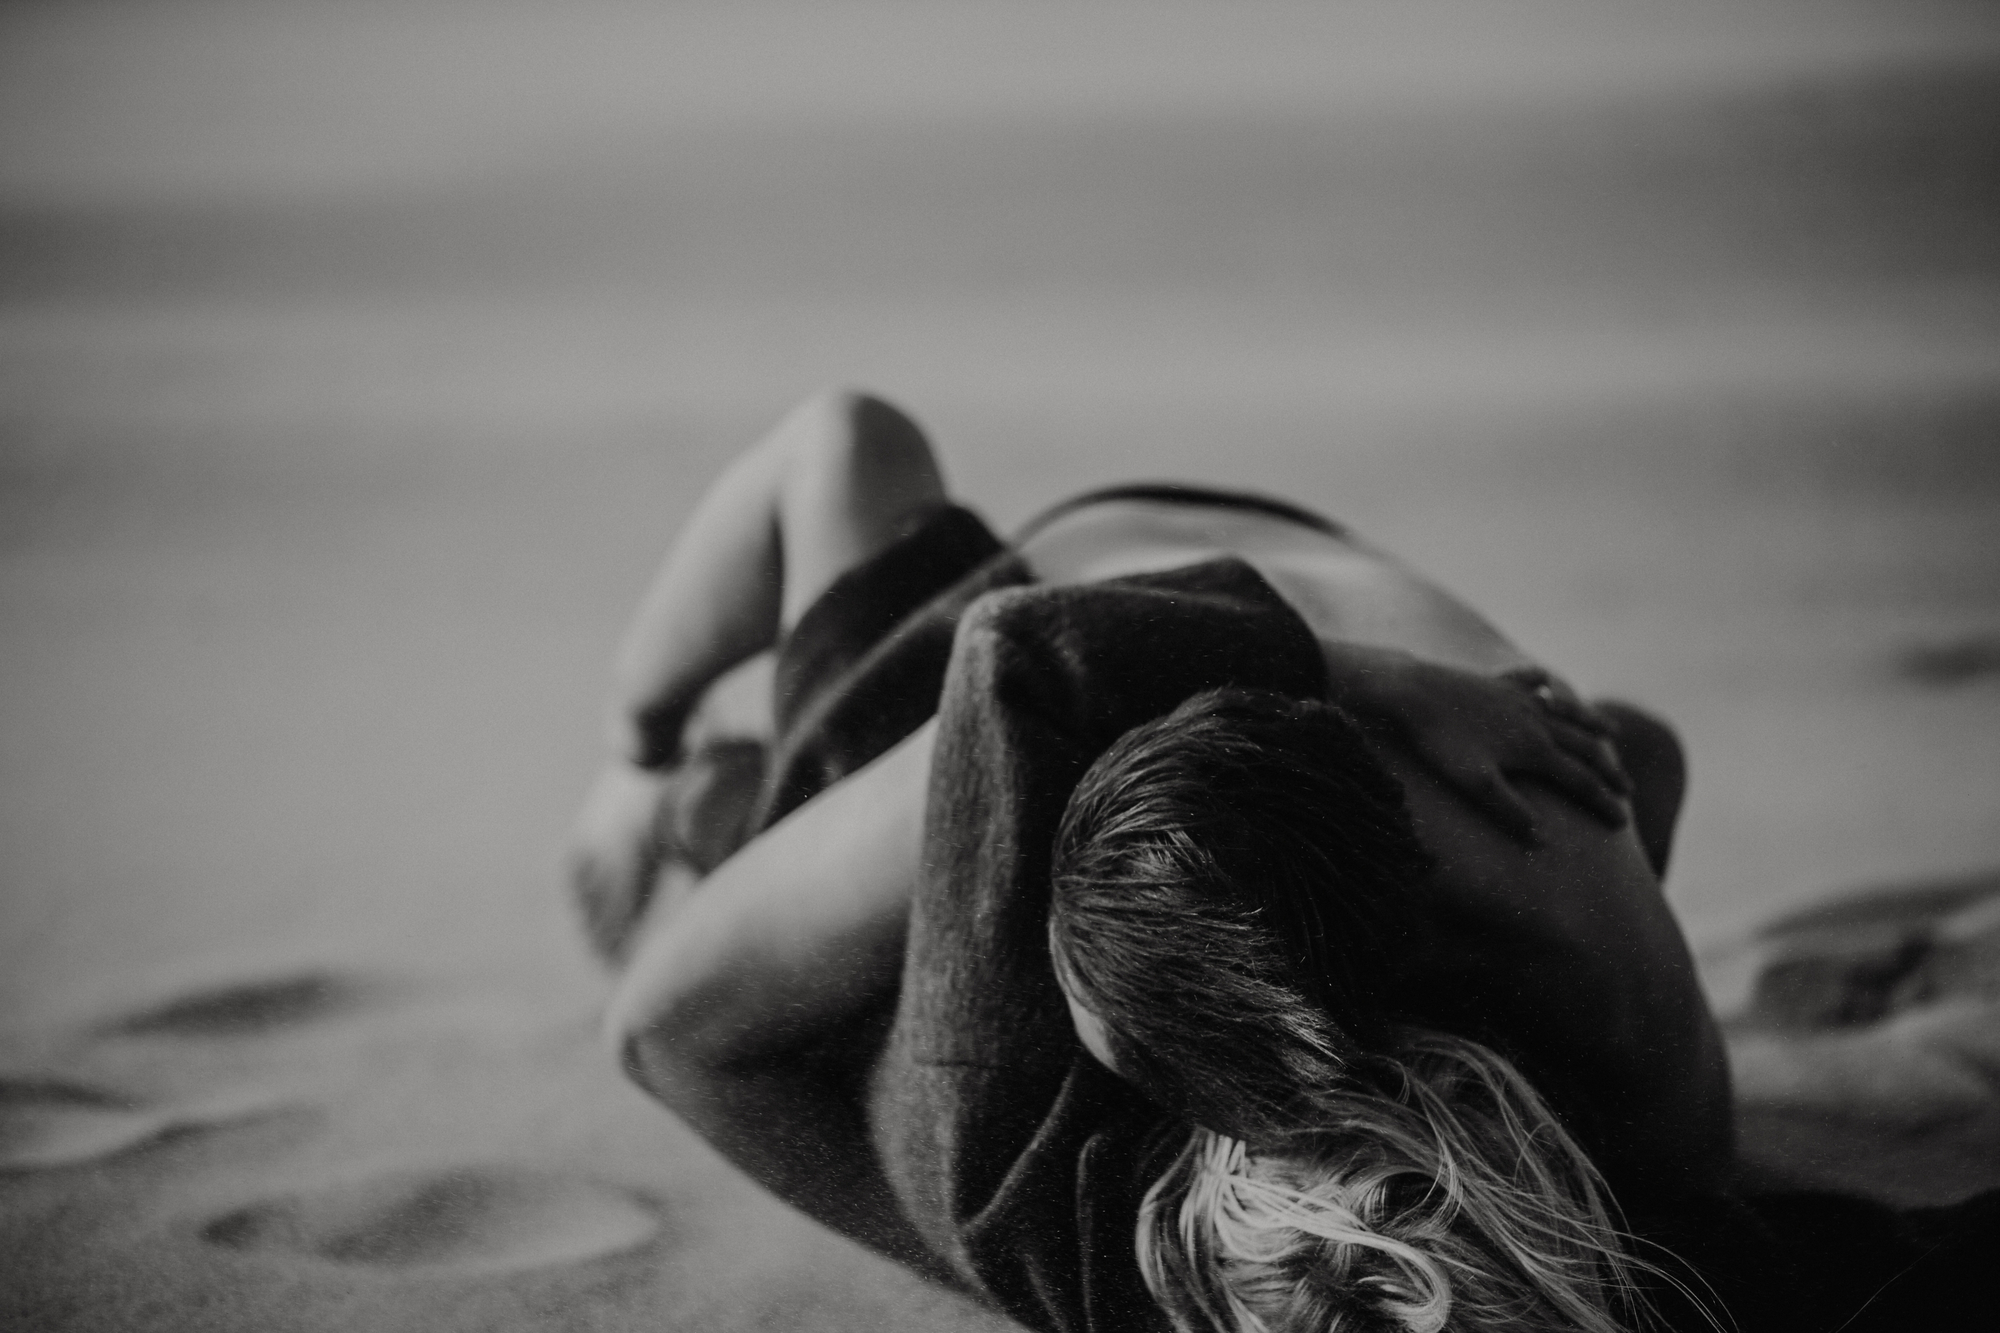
column 1173, row 667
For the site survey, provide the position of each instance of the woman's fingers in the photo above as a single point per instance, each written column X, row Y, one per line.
column 1485, row 737
column 1494, row 791
column 1596, row 751
column 615, row 853
column 1579, row 758
column 1555, row 697
column 1564, row 706
column 1474, row 774
column 1495, row 796
column 1583, row 784
column 1565, row 747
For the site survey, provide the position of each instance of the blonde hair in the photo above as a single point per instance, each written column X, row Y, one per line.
column 1446, row 1195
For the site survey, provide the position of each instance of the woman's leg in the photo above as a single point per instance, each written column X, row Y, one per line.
column 842, row 477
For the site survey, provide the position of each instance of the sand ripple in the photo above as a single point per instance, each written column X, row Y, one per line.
column 48, row 1124
column 469, row 1218
column 247, row 1008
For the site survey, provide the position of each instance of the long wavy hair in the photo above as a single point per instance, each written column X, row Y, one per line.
column 1229, row 884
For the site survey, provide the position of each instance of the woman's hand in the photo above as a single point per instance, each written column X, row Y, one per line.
column 643, row 835
column 1482, row 734
column 616, row 853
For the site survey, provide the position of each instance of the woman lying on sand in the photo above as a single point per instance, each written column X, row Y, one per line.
column 1183, row 916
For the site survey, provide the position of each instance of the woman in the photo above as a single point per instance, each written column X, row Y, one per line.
column 1186, row 917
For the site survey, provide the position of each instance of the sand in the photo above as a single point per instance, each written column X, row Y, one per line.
column 359, row 364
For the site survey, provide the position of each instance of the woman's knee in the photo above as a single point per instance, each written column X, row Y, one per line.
column 858, row 474
column 859, row 452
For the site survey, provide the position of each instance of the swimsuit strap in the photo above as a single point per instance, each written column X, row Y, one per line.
column 1182, row 494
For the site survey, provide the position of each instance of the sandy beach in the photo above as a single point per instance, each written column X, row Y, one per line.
column 358, row 364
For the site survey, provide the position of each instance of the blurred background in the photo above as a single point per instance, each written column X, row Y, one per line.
column 360, row 359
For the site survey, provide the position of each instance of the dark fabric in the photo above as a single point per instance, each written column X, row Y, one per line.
column 1041, row 681
column 1167, row 492
column 859, row 610
column 865, row 664
column 1018, row 1158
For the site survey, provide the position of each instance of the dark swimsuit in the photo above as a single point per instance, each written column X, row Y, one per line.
column 1164, row 492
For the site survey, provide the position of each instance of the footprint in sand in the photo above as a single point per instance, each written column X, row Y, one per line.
column 46, row 1124
column 470, row 1219
column 246, row 1008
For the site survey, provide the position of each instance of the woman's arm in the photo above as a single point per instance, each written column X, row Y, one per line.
column 842, row 476
column 837, row 481
column 753, row 1010
column 714, row 603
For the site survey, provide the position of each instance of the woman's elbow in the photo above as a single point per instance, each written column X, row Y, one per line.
column 680, row 1004
column 659, row 1041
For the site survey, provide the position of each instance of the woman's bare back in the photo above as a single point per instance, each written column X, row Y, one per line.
column 1343, row 588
